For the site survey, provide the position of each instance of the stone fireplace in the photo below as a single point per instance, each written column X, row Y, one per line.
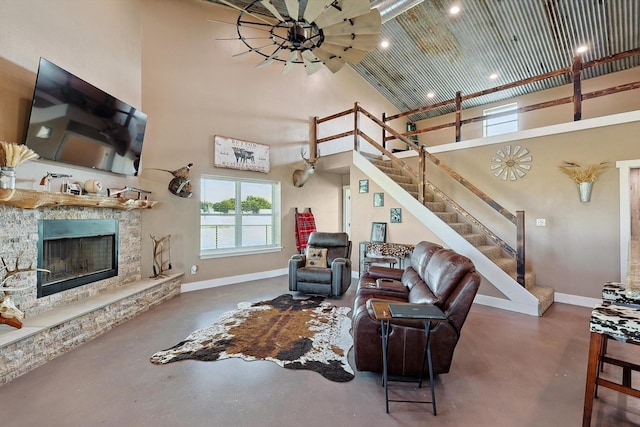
column 95, row 245
column 75, row 252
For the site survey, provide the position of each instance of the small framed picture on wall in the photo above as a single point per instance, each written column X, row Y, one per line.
column 379, row 232
column 364, row 186
column 395, row 215
column 378, row 199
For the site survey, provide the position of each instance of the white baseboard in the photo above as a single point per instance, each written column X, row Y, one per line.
column 576, row 300
column 230, row 280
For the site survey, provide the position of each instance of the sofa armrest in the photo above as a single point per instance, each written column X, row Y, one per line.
column 340, row 275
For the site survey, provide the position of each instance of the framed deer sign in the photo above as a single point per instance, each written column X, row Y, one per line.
column 234, row 153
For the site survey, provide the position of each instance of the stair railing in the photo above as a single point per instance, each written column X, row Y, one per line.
column 423, row 156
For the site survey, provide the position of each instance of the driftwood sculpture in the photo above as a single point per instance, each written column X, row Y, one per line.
column 301, row 176
column 161, row 256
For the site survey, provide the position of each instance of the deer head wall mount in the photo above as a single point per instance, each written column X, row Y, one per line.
column 301, row 176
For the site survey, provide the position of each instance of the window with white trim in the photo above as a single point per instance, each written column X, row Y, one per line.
column 503, row 123
column 238, row 216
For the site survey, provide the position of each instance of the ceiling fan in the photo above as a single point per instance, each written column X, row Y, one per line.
column 312, row 33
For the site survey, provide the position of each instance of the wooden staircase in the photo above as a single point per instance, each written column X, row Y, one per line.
column 496, row 254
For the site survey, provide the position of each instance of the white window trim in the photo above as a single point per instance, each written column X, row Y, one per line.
column 500, row 109
column 276, row 207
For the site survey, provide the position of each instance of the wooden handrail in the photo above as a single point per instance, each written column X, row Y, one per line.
column 420, row 175
column 574, row 72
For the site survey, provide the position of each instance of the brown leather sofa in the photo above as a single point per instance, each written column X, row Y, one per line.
column 435, row 276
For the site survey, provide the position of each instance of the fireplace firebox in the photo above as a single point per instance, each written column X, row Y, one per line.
column 76, row 252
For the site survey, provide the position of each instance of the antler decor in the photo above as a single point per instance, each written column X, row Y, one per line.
column 9, row 313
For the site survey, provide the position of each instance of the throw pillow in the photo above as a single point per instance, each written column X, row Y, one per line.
column 316, row 257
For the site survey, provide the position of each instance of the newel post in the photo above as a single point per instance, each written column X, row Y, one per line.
column 520, row 262
column 458, row 115
column 384, row 131
column 422, row 170
column 313, row 140
column 356, row 126
column 576, row 70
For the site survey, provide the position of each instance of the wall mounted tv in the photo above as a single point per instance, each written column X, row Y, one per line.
column 74, row 122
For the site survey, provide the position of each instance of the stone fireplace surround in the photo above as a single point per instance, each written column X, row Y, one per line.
column 60, row 322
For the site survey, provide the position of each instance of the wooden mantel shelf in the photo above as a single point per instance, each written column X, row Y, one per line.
column 31, row 199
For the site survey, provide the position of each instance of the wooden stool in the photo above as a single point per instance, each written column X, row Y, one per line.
column 610, row 321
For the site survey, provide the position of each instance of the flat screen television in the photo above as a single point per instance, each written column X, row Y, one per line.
column 74, row 122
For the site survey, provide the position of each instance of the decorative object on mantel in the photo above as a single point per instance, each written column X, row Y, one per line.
column 161, row 256
column 46, row 180
column 93, row 186
column 12, row 155
column 180, row 185
column 9, row 313
column 120, row 192
column 584, row 176
column 31, row 199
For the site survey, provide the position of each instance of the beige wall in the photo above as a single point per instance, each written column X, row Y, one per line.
column 163, row 55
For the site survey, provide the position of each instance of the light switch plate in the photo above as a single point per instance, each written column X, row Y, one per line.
column 541, row 222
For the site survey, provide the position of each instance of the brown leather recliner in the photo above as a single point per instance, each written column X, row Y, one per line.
column 333, row 280
column 435, row 276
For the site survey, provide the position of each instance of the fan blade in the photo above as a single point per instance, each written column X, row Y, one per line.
column 293, row 8
column 271, row 8
column 290, row 65
column 225, row 2
column 348, row 9
column 348, row 54
column 270, row 59
column 253, row 49
column 311, row 62
column 245, row 38
column 315, row 8
column 332, row 62
column 366, row 24
column 358, row 41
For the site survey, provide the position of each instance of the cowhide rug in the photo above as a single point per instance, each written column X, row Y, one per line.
column 295, row 333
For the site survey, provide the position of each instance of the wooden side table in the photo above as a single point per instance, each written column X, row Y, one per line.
column 382, row 313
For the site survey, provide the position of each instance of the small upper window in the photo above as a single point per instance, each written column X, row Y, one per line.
column 505, row 120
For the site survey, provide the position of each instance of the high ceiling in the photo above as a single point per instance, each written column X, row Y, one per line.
column 433, row 51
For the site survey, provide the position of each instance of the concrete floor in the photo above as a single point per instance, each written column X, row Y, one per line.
column 508, row 370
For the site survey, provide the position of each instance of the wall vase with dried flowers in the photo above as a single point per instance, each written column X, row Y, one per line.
column 584, row 176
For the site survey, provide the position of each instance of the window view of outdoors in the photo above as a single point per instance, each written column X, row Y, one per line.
column 503, row 122
column 236, row 214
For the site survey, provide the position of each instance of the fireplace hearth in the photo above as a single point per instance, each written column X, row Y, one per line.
column 76, row 252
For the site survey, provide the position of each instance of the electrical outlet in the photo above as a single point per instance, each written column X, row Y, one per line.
column 194, row 269
column 541, row 222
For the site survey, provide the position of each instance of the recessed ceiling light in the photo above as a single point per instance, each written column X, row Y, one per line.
column 384, row 44
column 431, row 95
column 493, row 76
column 582, row 49
column 454, row 10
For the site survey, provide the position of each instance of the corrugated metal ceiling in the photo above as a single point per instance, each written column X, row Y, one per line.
column 432, row 51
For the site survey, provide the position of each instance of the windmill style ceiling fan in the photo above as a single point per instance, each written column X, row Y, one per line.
column 312, row 33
